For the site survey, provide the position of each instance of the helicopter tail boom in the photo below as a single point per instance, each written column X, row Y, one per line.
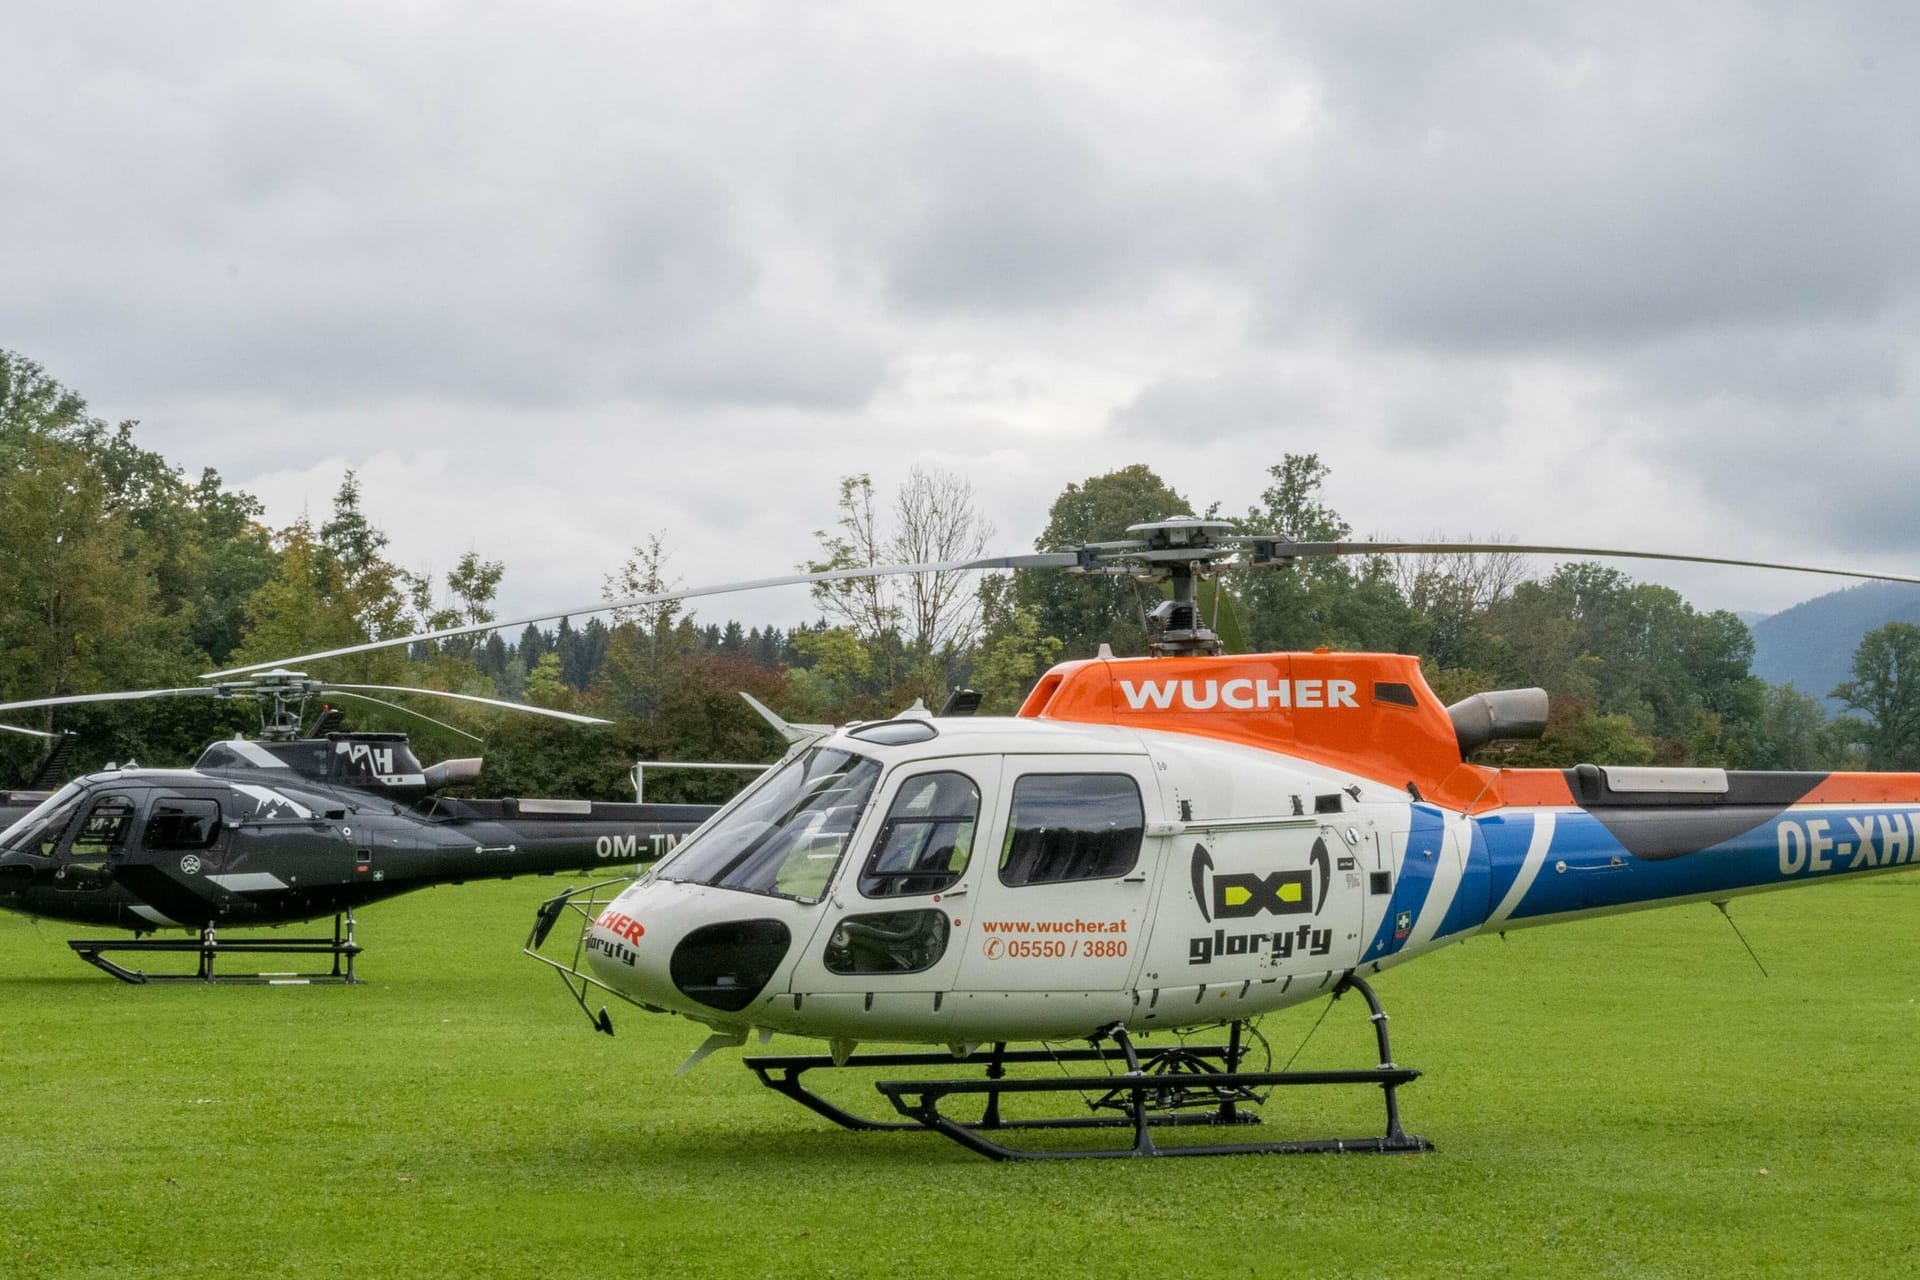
column 1706, row 835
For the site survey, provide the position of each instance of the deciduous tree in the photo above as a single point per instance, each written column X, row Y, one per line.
column 1886, row 687
column 1084, row 613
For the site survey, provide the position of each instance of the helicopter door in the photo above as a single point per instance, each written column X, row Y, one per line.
column 1062, row 897
column 185, row 834
column 1250, row 908
column 890, row 942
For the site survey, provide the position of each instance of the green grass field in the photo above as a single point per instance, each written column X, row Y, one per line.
column 1625, row 1097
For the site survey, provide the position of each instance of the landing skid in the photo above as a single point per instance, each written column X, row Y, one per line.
column 340, row 948
column 1182, row 1085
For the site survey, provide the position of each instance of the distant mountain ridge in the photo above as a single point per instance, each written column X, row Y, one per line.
column 1810, row 646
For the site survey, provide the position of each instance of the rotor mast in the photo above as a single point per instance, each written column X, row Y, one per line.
column 1179, row 552
column 283, row 699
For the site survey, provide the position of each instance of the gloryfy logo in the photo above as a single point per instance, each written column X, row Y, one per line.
column 1236, row 695
column 1245, row 895
column 1280, row 893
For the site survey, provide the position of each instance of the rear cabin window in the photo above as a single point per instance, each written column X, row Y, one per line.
column 1072, row 826
column 183, row 824
column 928, row 834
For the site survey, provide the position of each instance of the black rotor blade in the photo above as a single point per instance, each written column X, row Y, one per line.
column 1033, row 560
column 405, row 711
column 569, row 716
column 1282, row 550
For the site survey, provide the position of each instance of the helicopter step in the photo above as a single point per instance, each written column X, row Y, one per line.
column 341, row 949
column 1183, row 1085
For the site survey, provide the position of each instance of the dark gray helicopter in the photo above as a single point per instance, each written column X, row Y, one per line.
column 290, row 827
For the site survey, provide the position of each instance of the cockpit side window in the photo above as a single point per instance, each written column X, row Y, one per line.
column 104, row 830
column 1072, row 826
column 924, row 844
column 183, row 823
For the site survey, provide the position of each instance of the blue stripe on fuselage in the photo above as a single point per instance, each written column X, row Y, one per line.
column 1506, row 836
column 1414, row 882
column 1472, row 900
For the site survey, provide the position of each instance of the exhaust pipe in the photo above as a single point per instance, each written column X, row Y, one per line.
column 1498, row 715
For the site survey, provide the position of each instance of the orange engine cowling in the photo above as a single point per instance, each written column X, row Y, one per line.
column 1368, row 713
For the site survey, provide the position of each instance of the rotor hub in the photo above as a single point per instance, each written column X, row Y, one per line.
column 1178, row 552
column 1166, row 546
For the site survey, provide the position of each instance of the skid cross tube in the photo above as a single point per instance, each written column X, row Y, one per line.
column 782, row 1074
column 1178, row 1086
column 920, row 1101
column 340, row 948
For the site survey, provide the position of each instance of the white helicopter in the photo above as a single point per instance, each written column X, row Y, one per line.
column 1160, row 844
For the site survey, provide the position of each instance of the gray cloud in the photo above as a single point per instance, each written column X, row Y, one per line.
column 1002, row 202
column 1560, row 178
column 1237, row 402
column 1618, row 268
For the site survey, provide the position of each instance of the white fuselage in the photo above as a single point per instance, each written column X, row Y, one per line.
column 1069, row 878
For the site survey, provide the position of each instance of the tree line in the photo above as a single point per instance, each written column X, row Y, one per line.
column 118, row 571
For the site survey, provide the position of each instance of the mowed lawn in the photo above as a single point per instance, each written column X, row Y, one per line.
column 1626, row 1097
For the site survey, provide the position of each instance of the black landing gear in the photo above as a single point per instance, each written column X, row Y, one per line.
column 1183, row 1085
column 340, row 948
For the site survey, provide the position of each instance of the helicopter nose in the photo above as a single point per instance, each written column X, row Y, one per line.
column 725, row 966
column 624, row 947
column 14, row 876
column 663, row 945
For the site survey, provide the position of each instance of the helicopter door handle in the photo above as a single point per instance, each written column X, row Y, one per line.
column 1138, row 878
column 958, row 891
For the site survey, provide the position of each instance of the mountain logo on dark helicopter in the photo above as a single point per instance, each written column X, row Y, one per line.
column 1244, row 895
column 190, row 865
column 270, row 805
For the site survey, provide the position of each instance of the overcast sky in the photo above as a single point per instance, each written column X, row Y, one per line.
column 553, row 278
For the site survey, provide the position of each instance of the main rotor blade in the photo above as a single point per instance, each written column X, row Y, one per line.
column 394, row 706
column 568, row 716
column 1032, row 560
column 1095, row 557
column 129, row 695
column 1282, row 550
column 37, row 733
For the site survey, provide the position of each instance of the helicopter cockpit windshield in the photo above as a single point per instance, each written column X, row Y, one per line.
column 42, row 826
column 785, row 837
